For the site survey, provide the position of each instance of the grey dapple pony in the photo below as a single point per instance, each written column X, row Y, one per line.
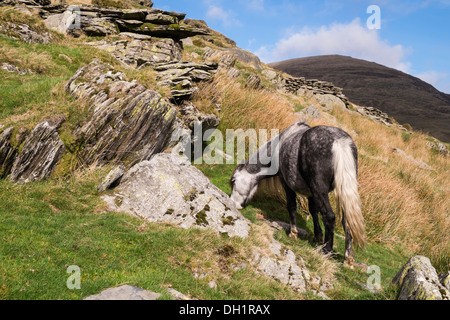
column 312, row 162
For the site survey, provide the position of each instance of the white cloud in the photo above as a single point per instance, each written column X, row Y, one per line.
column 227, row 17
column 352, row 39
column 439, row 80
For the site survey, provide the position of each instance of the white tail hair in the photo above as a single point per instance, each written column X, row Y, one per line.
column 346, row 190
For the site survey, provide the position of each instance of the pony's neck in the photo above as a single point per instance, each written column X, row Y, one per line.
column 264, row 162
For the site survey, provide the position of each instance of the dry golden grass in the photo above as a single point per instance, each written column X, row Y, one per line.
column 242, row 107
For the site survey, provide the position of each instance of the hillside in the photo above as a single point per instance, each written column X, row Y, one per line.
column 90, row 173
column 402, row 96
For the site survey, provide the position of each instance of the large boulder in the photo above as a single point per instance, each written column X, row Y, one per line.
column 127, row 121
column 168, row 189
column 61, row 22
column 418, row 280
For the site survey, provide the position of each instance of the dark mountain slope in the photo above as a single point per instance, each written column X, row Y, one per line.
column 404, row 97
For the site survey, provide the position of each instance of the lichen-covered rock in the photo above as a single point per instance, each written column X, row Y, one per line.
column 40, row 153
column 168, row 189
column 418, row 280
column 128, row 122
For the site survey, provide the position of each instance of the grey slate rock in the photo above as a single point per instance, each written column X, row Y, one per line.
column 125, row 292
column 40, row 153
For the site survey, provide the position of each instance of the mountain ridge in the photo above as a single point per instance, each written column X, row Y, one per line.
column 406, row 98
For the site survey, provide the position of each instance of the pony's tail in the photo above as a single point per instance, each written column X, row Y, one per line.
column 346, row 190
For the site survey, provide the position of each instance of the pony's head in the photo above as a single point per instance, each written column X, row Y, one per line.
column 243, row 186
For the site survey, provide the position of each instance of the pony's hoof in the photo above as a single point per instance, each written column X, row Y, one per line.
column 318, row 239
column 293, row 235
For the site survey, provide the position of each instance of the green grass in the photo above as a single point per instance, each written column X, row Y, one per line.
column 47, row 226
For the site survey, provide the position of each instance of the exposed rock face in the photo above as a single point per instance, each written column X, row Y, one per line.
column 95, row 21
column 181, row 76
column 40, row 153
column 167, row 189
column 137, row 50
column 128, row 121
column 7, row 152
column 418, row 280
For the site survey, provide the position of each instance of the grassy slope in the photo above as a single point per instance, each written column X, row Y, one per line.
column 47, row 226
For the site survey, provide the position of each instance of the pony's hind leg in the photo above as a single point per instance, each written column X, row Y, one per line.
column 349, row 259
column 348, row 255
column 291, row 198
column 314, row 211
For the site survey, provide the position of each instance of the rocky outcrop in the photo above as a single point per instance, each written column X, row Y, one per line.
column 181, row 77
column 168, row 189
column 128, row 122
column 418, row 280
column 7, row 152
column 40, row 153
column 24, row 33
column 95, row 21
column 139, row 50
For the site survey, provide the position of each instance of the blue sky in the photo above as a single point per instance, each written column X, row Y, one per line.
column 414, row 36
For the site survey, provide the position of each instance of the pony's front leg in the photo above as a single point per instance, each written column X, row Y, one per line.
column 291, row 198
column 314, row 211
